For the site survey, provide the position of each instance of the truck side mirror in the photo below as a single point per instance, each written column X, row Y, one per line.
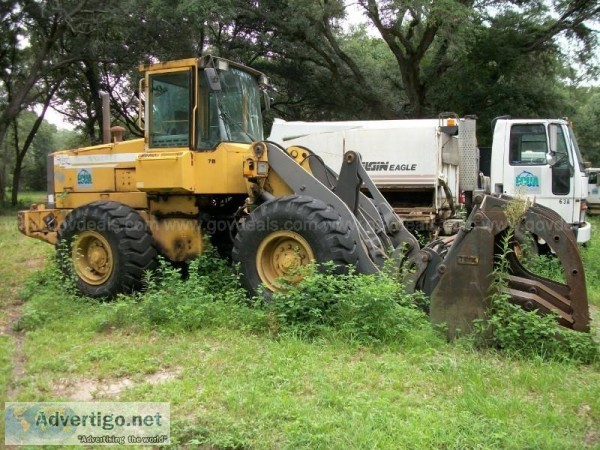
column 553, row 138
column 213, row 79
column 267, row 100
column 551, row 158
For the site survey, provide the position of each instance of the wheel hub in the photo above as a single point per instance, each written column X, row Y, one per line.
column 92, row 257
column 281, row 254
column 288, row 259
column 97, row 256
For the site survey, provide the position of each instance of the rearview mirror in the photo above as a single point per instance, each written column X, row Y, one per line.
column 213, row 79
column 553, row 129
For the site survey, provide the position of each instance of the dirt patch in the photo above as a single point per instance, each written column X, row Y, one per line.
column 87, row 390
column 35, row 263
column 592, row 437
column 12, row 314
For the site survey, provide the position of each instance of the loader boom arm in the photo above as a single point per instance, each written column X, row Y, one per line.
column 455, row 274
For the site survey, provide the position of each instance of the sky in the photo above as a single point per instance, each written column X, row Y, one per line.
column 55, row 118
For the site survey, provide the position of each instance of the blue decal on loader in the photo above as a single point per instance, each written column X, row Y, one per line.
column 84, row 178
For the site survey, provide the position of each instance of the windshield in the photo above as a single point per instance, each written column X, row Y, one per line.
column 576, row 147
column 233, row 112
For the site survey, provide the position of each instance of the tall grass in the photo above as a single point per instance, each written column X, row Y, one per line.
column 354, row 308
column 527, row 333
column 282, row 374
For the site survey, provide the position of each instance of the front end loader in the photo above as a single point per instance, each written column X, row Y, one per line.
column 204, row 168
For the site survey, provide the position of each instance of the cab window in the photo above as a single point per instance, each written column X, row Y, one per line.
column 169, row 111
column 528, row 145
column 561, row 169
column 561, row 149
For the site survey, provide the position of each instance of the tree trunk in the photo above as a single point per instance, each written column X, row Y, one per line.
column 414, row 89
column 93, row 78
column 17, row 169
column 3, row 177
column 20, row 154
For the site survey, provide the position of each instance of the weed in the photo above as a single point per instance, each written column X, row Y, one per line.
column 517, row 207
column 210, row 296
column 547, row 266
column 527, row 333
column 360, row 308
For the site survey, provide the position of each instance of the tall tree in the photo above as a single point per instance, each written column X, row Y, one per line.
column 29, row 52
column 426, row 39
column 22, row 149
column 586, row 121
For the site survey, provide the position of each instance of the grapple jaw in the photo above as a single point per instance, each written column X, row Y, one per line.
column 457, row 277
column 455, row 273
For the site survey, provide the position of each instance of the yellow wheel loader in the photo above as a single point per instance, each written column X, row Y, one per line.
column 204, row 168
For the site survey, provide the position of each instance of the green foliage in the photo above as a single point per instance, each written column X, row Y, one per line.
column 360, row 308
column 234, row 388
column 49, row 280
column 547, row 266
column 210, row 297
column 366, row 309
column 585, row 123
column 527, row 333
column 591, row 262
column 491, row 80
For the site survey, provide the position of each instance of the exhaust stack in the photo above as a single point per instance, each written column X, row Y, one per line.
column 105, row 117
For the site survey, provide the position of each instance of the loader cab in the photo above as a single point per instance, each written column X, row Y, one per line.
column 540, row 158
column 199, row 103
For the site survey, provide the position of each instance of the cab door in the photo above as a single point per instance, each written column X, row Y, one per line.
column 540, row 166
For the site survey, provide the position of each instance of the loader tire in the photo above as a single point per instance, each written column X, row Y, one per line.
column 105, row 247
column 287, row 232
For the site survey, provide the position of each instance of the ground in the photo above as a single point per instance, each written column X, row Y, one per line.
column 232, row 388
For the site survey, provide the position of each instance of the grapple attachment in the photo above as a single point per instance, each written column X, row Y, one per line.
column 457, row 275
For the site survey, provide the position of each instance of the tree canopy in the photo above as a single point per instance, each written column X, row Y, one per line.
column 407, row 59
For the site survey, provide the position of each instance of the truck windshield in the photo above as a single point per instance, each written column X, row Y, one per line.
column 576, row 147
column 233, row 112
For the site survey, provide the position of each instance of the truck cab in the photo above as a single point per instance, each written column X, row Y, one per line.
column 593, row 197
column 540, row 158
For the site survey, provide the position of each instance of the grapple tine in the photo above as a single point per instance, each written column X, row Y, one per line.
column 569, row 298
column 458, row 284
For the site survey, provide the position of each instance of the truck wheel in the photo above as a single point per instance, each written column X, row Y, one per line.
column 106, row 247
column 283, row 234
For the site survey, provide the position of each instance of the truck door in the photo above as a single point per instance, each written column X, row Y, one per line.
column 593, row 197
column 548, row 180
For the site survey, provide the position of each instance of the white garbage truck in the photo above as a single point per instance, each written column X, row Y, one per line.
column 426, row 167
column 593, row 197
